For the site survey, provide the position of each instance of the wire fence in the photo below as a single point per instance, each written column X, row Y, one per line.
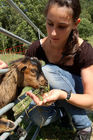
column 6, row 108
column 20, row 49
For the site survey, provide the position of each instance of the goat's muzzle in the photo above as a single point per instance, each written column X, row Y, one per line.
column 42, row 80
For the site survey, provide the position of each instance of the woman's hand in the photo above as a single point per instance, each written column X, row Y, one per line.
column 35, row 98
column 3, row 65
column 51, row 96
column 47, row 98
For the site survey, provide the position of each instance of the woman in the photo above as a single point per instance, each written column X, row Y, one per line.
column 68, row 69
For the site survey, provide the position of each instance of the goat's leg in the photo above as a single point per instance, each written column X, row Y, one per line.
column 20, row 131
column 6, row 125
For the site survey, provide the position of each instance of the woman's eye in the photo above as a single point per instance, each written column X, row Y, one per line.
column 62, row 27
column 50, row 24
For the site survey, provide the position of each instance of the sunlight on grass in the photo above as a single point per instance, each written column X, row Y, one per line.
column 8, row 57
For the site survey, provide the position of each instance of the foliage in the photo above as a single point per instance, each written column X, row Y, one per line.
column 13, row 22
column 85, row 28
column 90, row 40
column 86, row 25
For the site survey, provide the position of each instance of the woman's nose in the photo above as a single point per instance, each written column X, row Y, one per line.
column 53, row 33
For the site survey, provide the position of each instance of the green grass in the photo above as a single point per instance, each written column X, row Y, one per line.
column 9, row 57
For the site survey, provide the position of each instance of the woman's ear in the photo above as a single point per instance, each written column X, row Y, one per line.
column 78, row 21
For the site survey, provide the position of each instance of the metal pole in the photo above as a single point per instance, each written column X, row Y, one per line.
column 24, row 16
column 3, row 71
column 27, row 131
column 7, row 33
column 6, row 134
column 6, row 108
column 36, row 133
column 10, row 105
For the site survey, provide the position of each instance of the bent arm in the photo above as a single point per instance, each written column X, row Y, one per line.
column 84, row 100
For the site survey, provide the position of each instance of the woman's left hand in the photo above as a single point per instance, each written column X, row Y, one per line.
column 51, row 96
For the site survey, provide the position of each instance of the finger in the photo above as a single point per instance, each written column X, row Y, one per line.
column 34, row 97
column 47, row 103
column 45, row 95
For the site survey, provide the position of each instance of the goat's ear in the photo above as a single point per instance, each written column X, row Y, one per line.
column 23, row 69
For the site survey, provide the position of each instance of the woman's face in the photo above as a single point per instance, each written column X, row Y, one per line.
column 59, row 24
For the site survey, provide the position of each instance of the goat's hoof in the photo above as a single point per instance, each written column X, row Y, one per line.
column 21, row 132
column 6, row 125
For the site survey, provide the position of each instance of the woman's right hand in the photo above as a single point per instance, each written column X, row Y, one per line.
column 3, row 65
column 35, row 98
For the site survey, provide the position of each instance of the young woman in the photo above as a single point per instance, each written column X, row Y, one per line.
column 68, row 69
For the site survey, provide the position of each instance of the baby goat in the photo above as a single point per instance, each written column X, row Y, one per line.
column 23, row 72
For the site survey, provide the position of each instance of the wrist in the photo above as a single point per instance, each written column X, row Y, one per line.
column 66, row 95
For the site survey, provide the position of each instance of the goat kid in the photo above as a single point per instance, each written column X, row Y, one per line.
column 23, row 72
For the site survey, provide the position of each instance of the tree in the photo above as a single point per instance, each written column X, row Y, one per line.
column 85, row 28
column 90, row 10
column 14, row 23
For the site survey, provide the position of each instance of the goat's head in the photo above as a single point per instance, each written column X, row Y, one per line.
column 32, row 73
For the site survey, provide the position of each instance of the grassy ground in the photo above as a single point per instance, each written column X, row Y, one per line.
column 9, row 57
column 53, row 131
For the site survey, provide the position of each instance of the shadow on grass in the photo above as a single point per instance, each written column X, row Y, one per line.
column 53, row 131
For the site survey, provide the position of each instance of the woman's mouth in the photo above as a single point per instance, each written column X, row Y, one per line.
column 55, row 39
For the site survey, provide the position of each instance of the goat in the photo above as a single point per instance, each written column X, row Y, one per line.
column 23, row 72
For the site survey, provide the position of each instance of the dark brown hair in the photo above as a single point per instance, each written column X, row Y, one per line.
column 72, row 43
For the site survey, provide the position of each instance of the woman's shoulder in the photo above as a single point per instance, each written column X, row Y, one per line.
column 38, row 43
column 35, row 43
column 43, row 41
column 85, row 54
column 84, row 46
column 80, row 41
column 35, row 48
column 31, row 51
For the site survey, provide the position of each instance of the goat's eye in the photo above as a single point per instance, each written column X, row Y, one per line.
column 33, row 70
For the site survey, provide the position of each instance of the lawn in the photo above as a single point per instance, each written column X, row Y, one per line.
column 9, row 57
column 53, row 131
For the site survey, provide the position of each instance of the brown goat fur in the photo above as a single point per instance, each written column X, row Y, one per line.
column 23, row 72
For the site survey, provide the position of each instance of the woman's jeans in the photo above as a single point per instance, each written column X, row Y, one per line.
column 60, row 79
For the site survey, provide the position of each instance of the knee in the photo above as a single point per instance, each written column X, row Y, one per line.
column 56, row 77
column 50, row 71
column 49, row 68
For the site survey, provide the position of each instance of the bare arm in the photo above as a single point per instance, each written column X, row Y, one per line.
column 83, row 100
